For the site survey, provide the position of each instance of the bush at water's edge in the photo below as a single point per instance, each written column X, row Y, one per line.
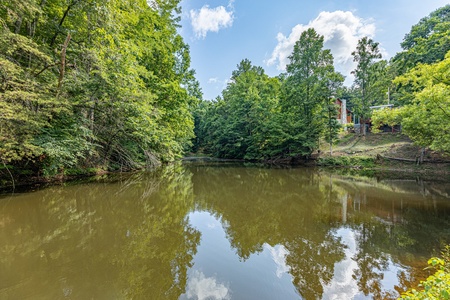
column 436, row 286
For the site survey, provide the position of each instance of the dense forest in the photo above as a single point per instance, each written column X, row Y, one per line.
column 107, row 85
column 93, row 84
column 258, row 117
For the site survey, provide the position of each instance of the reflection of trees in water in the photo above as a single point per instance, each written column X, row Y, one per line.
column 132, row 239
column 284, row 207
column 301, row 209
column 312, row 260
column 164, row 240
column 129, row 239
column 404, row 228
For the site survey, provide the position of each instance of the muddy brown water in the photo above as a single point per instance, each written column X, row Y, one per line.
column 205, row 230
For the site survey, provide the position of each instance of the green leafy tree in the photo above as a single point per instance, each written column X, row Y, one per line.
column 427, row 42
column 391, row 117
column 27, row 93
column 426, row 119
column 94, row 83
column 241, row 123
column 436, row 286
column 310, row 81
column 332, row 125
column 366, row 72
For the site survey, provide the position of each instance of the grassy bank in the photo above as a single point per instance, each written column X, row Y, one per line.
column 383, row 152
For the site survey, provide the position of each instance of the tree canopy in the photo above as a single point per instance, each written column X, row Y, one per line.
column 284, row 117
column 108, row 84
column 427, row 118
column 93, row 83
column 427, row 42
column 259, row 117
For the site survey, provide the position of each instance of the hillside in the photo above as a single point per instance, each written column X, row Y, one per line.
column 386, row 150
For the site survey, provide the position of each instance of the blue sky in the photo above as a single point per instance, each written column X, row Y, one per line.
column 223, row 32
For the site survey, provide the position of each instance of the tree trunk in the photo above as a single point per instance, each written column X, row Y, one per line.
column 62, row 66
column 422, row 154
column 18, row 25
column 362, row 127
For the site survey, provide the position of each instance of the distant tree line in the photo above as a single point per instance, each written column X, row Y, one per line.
column 258, row 117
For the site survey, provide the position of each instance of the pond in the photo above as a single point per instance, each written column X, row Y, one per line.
column 222, row 231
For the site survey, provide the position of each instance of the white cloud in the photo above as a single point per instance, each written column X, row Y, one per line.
column 211, row 19
column 213, row 80
column 279, row 253
column 213, row 225
column 203, row 288
column 219, row 83
column 341, row 31
column 342, row 285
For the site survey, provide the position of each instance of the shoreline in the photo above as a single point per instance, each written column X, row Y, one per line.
column 348, row 165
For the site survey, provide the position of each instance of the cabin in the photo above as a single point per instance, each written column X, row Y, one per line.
column 344, row 114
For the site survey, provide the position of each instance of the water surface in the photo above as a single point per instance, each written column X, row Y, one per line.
column 222, row 231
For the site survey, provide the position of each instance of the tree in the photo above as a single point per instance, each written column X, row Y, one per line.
column 427, row 42
column 310, row 81
column 436, row 286
column 27, row 92
column 101, row 84
column 386, row 116
column 366, row 54
column 241, row 124
column 426, row 120
column 332, row 127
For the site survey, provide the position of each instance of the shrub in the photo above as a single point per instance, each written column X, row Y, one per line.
column 347, row 161
column 436, row 286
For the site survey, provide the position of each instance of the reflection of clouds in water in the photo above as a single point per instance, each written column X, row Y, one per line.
column 202, row 288
column 343, row 286
column 212, row 225
column 279, row 253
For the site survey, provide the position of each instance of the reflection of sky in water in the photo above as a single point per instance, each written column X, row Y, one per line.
column 202, row 288
column 343, row 286
column 219, row 273
column 279, row 253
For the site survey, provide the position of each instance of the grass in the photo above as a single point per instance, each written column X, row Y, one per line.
column 374, row 151
column 359, row 162
column 370, row 145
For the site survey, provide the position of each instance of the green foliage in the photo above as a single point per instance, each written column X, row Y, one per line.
column 108, row 84
column 310, row 82
column 367, row 72
column 426, row 119
column 347, row 161
column 241, row 124
column 386, row 116
column 427, row 42
column 99, row 83
column 332, row 125
column 436, row 286
column 263, row 118
column 64, row 146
